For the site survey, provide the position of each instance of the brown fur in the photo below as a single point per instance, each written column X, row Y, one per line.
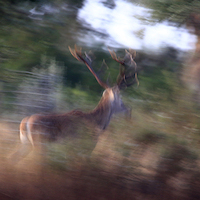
column 54, row 126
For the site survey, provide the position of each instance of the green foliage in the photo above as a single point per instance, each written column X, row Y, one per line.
column 177, row 11
column 25, row 36
column 77, row 98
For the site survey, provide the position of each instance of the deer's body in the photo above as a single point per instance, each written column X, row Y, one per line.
column 54, row 126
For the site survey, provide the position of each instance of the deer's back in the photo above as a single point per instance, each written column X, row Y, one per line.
column 56, row 126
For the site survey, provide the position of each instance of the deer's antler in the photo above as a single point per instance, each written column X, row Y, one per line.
column 88, row 61
column 128, row 68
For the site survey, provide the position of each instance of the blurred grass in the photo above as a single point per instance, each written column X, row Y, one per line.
column 159, row 145
column 166, row 126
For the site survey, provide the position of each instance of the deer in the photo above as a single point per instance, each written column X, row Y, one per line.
column 54, row 126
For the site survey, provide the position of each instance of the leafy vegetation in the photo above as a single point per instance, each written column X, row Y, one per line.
column 178, row 12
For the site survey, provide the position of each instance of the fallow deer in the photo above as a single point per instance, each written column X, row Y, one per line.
column 54, row 126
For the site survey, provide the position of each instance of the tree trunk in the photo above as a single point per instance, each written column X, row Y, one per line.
column 191, row 73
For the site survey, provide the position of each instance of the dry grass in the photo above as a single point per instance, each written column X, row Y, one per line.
column 152, row 156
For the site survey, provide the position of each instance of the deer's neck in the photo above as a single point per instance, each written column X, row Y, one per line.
column 102, row 114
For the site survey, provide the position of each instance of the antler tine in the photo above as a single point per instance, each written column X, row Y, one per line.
column 121, row 70
column 114, row 57
column 121, row 75
column 73, row 52
column 132, row 54
column 78, row 55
